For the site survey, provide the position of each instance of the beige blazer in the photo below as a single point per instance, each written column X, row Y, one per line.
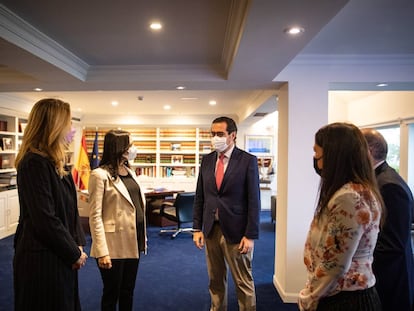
column 112, row 217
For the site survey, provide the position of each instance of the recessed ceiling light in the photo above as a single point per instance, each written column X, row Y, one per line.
column 382, row 84
column 212, row 102
column 189, row 98
column 114, row 103
column 167, row 107
column 180, row 87
column 37, row 89
column 294, row 30
column 155, row 26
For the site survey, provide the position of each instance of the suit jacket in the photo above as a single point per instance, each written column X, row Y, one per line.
column 112, row 216
column 237, row 200
column 47, row 238
column 393, row 259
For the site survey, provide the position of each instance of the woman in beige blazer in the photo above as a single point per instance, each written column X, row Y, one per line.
column 117, row 221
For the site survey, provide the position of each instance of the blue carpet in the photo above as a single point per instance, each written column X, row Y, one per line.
column 172, row 276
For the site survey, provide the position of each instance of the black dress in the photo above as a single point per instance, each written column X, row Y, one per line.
column 135, row 194
column 47, row 238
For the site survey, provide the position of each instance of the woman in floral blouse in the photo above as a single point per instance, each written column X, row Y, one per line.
column 343, row 233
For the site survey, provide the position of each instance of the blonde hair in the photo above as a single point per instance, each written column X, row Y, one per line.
column 44, row 132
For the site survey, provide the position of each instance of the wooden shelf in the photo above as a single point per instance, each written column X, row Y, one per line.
column 11, row 132
column 157, row 148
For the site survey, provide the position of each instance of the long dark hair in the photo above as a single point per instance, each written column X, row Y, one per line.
column 116, row 143
column 345, row 159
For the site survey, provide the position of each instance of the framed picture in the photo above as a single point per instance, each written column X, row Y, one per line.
column 7, row 143
column 5, row 161
column 177, row 159
column 175, row 147
column 22, row 127
column 259, row 144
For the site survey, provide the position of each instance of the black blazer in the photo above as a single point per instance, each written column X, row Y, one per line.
column 237, row 200
column 47, row 238
column 393, row 259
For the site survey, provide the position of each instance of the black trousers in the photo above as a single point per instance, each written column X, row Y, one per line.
column 359, row 300
column 119, row 284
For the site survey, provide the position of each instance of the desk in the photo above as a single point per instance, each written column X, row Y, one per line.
column 161, row 194
column 83, row 208
column 265, row 183
column 154, row 201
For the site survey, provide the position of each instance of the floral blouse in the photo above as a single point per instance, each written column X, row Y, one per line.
column 340, row 244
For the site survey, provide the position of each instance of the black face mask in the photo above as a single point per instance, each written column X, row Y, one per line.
column 315, row 166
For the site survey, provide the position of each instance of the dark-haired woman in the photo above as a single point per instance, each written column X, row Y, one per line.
column 117, row 222
column 341, row 240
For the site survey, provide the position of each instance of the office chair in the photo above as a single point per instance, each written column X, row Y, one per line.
column 180, row 212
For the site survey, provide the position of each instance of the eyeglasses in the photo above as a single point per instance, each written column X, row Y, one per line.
column 219, row 134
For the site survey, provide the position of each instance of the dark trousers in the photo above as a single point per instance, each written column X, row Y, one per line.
column 119, row 284
column 359, row 300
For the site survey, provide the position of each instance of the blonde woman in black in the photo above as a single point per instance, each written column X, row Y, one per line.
column 49, row 238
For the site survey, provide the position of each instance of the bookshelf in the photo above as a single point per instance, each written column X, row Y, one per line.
column 9, row 138
column 11, row 134
column 144, row 140
column 170, row 152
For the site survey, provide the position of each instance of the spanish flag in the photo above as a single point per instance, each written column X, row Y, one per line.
column 82, row 169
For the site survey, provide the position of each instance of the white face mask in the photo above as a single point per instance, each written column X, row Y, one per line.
column 132, row 153
column 219, row 143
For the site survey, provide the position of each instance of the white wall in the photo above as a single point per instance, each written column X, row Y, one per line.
column 300, row 115
column 372, row 109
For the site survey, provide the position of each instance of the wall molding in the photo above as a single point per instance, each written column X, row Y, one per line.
column 17, row 31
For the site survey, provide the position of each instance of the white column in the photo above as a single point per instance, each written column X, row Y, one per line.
column 303, row 109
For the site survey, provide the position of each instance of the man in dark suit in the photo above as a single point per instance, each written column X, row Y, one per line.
column 226, row 215
column 393, row 256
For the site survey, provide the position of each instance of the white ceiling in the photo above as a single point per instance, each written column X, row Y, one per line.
column 89, row 53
